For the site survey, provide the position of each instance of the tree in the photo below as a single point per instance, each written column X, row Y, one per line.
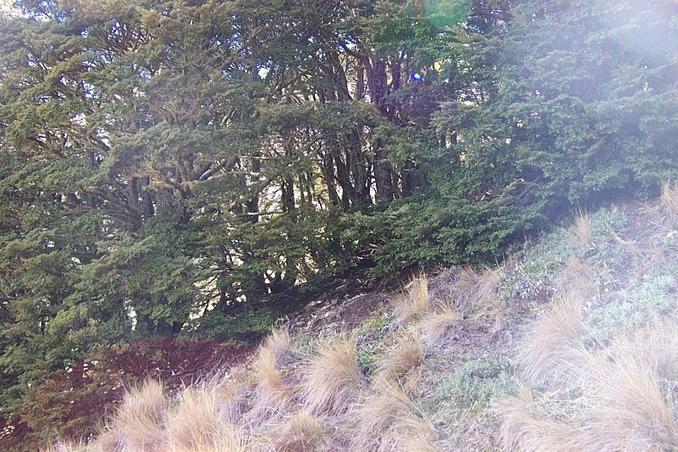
column 155, row 153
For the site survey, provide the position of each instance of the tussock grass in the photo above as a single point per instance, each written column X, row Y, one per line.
column 193, row 423
column 583, row 234
column 67, row 447
column 418, row 440
column 301, row 432
column 148, row 421
column 407, row 356
column 388, row 418
column 435, row 326
column 270, row 388
column 476, row 288
column 414, row 301
column 552, row 343
column 332, row 378
column 139, row 421
column 669, row 201
column 231, row 438
column 632, row 393
column 232, row 394
column 279, row 345
column 523, row 430
column 266, row 367
column 576, row 280
column 628, row 401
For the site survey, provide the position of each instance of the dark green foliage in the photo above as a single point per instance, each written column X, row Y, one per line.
column 194, row 168
column 576, row 105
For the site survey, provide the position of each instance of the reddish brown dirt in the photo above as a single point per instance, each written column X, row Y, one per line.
column 75, row 401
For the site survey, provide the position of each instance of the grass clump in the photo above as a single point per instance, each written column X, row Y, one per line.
column 576, row 280
column 407, row 356
column 388, row 418
column 332, row 378
column 553, row 343
column 266, row 367
column 626, row 400
column 194, row 425
column 583, row 234
column 300, row 432
column 436, row 325
column 233, row 394
column 138, row 423
column 632, row 393
column 414, row 301
column 476, row 288
column 524, row 429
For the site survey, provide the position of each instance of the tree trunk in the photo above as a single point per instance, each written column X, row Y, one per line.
column 383, row 172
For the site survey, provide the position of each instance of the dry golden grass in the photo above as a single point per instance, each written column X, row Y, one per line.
column 193, row 423
column 418, row 441
column 669, row 201
column 552, row 343
column 389, row 420
column 271, row 391
column 576, row 280
column 68, row 447
column 414, row 433
column 628, row 401
column 414, row 301
column 266, row 367
column 107, row 441
column 522, row 430
column 407, row 356
column 279, row 345
column 138, row 424
column 331, row 378
column 632, row 394
column 583, row 235
column 231, row 439
column 476, row 288
column 435, row 326
column 146, row 421
column 232, row 394
column 300, row 433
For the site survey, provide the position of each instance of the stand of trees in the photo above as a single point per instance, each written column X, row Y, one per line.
column 164, row 164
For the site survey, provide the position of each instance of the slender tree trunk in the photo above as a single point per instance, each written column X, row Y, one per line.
column 329, row 176
column 383, row 172
column 343, row 176
column 360, row 83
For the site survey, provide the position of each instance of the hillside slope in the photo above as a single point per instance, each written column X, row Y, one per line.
column 571, row 344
